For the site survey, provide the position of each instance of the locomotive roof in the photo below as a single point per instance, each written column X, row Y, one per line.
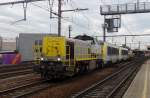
column 77, row 40
column 84, row 37
column 115, row 46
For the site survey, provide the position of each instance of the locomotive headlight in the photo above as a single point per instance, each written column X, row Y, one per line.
column 42, row 59
column 58, row 59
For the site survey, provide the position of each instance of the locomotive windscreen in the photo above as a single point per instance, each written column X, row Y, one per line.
column 54, row 46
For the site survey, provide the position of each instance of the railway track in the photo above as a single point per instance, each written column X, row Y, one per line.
column 7, row 71
column 8, row 68
column 25, row 90
column 17, row 81
column 32, row 88
column 15, row 73
column 112, row 86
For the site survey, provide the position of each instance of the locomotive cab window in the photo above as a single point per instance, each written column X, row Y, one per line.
column 124, row 52
column 36, row 42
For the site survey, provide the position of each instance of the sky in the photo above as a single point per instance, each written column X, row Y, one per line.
column 83, row 22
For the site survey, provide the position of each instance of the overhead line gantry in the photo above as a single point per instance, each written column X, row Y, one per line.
column 130, row 8
column 112, row 14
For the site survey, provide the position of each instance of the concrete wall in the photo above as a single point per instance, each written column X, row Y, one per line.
column 7, row 44
column 25, row 44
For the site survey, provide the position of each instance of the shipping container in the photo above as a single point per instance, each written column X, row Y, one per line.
column 1, row 40
column 25, row 44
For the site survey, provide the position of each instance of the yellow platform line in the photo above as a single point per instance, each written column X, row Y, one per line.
column 144, row 93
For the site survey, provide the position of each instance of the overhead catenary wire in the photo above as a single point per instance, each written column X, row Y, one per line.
column 18, row 2
column 128, row 30
column 31, row 1
column 148, row 35
column 90, row 22
column 25, row 5
column 74, row 3
column 81, row 26
column 51, row 3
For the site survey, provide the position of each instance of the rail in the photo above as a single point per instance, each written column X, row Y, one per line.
column 26, row 89
column 106, row 87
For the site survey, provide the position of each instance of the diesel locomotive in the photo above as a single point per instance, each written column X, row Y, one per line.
column 57, row 57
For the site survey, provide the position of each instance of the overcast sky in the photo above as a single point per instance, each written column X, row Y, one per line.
column 86, row 22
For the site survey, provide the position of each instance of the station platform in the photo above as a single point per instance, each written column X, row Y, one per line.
column 140, row 87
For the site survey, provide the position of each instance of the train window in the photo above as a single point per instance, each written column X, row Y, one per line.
column 112, row 51
column 40, row 49
column 124, row 52
column 116, row 51
column 36, row 50
column 36, row 42
column 89, row 51
column 40, row 42
column 101, row 43
column 109, row 50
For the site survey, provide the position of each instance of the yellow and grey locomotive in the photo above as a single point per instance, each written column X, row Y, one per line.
column 61, row 56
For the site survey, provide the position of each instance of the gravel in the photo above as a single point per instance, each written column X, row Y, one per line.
column 17, row 81
column 66, row 89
